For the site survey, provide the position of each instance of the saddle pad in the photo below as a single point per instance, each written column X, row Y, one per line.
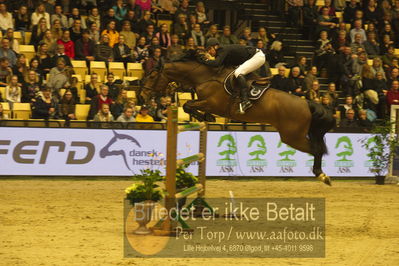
column 254, row 93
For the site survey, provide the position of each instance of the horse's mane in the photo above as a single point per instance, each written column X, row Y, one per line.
column 188, row 55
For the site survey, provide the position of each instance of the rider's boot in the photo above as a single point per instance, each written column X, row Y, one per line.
column 245, row 103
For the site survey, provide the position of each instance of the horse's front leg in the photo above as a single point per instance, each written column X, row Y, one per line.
column 194, row 107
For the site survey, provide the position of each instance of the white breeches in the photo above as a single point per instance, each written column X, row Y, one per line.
column 252, row 64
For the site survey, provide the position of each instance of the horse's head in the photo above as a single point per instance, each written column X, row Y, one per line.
column 156, row 83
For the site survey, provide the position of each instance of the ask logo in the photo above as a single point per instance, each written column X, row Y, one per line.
column 344, row 152
column 258, row 146
column 286, row 163
column 228, row 147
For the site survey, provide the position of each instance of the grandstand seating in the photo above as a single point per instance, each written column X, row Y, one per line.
column 117, row 68
column 28, row 51
column 6, row 109
column 80, row 67
column 21, row 111
column 82, row 111
column 135, row 70
column 98, row 67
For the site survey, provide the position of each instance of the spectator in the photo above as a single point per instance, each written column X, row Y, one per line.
column 261, row 46
column 113, row 89
column 181, row 27
column 325, row 101
column 371, row 46
column 357, row 44
column 212, row 32
column 372, row 14
column 382, row 89
column 144, row 4
column 85, row 47
column 51, row 43
column 105, row 20
column 310, row 16
column 120, row 10
column 13, row 92
column 350, row 10
column 99, row 100
column 164, row 38
column 387, row 30
column 132, row 6
column 94, row 33
column 276, row 55
column 386, row 43
column 363, row 121
column 56, row 29
column 92, row 88
column 162, row 109
column 247, row 36
column 323, row 52
column 314, row 92
column 5, row 71
column 359, row 61
column 122, row 52
column 69, row 46
column 393, row 94
column 94, row 17
column 144, row 22
column 59, row 76
column 265, row 36
column 34, row 66
column 130, row 37
column 141, row 53
column 175, row 50
column 6, row 51
column 30, row 87
column 6, row 21
column 120, row 103
column 190, row 45
column 183, row 9
column 149, row 33
column 349, row 120
column 332, row 94
column 20, row 69
column 44, row 107
column 153, row 62
column 58, row 14
column 393, row 75
column 102, row 51
column 311, row 76
column 325, row 21
column 388, row 57
column 76, row 30
column 200, row 13
column 127, row 116
column 227, row 37
column 377, row 67
column 347, row 106
column 143, row 115
column 198, row 36
column 74, row 89
column 133, row 20
column 280, row 81
column 61, row 54
column 358, row 30
column 22, row 20
column 104, row 115
column 169, row 6
column 112, row 34
column 296, row 82
column 67, row 106
column 40, row 13
column 368, row 86
column 38, row 32
column 75, row 15
column 301, row 63
column 341, row 41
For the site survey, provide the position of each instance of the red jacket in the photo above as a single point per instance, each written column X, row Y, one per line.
column 391, row 96
column 69, row 48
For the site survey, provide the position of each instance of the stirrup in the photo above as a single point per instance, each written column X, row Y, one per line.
column 244, row 105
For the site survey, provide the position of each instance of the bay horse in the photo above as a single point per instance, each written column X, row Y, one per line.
column 301, row 124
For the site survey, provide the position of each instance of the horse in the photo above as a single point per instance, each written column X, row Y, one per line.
column 301, row 124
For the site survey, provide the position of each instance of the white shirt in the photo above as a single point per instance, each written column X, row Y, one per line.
column 6, row 21
column 36, row 17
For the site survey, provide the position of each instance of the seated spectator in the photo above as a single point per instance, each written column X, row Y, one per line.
column 69, row 46
column 144, row 22
column 56, row 29
column 3, row 116
column 14, row 44
column 325, row 21
column 34, row 66
column 325, row 101
column 40, row 13
column 296, row 82
column 388, row 31
column 190, row 44
column 341, row 41
column 30, row 87
column 73, row 87
column 393, row 75
column 169, row 6
column 332, row 94
column 84, row 47
column 247, row 36
column 132, row 18
column 76, row 30
column 369, row 85
column 212, row 32
column 301, row 63
column 331, row 8
column 276, row 55
column 162, row 109
column 94, row 17
column 143, row 115
column 6, row 51
column 149, row 34
column 102, row 51
column 20, row 69
column 5, row 71
column 113, row 89
column 44, row 107
column 371, row 46
column 359, row 61
column 349, row 120
column 228, row 38
column 130, row 37
column 310, row 77
column 183, row 9
column 358, row 30
column 363, row 121
column 164, row 38
column 122, row 52
column 13, row 92
column 126, row 116
column 310, row 15
column 175, row 50
column 382, row 89
column 141, row 52
column 120, row 103
column 94, row 33
column 347, row 106
column 181, row 27
column 58, row 14
column 350, row 10
column 105, row 20
column 98, row 101
column 377, row 67
column 112, row 34
column 388, row 57
column 45, row 60
column 280, row 81
column 67, row 106
column 200, row 13
column 314, row 92
column 22, row 20
column 92, row 88
column 372, row 13
column 154, row 44
column 104, row 115
column 51, row 43
column 261, row 46
column 153, row 62
column 120, row 10
column 265, row 36
column 144, row 4
column 357, row 44
column 198, row 36
column 61, row 54
column 59, row 77
column 75, row 15
column 386, row 43
column 393, row 94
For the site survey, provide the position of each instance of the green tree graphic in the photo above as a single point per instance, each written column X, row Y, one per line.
column 347, row 145
column 371, row 141
column 231, row 146
column 289, row 152
column 261, row 145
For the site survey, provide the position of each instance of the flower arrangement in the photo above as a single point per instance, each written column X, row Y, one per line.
column 147, row 190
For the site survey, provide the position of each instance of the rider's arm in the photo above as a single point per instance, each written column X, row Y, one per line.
column 218, row 61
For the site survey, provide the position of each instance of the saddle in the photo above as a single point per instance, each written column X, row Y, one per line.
column 257, row 86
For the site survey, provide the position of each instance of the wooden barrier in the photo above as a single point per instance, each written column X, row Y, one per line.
column 167, row 227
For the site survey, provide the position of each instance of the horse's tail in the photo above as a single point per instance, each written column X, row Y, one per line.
column 322, row 122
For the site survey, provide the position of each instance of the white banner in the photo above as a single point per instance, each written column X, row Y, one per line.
column 95, row 152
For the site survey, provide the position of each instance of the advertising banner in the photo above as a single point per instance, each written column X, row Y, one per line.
column 97, row 152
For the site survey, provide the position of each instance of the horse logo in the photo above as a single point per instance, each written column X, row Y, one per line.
column 261, row 150
column 231, row 149
column 117, row 146
column 345, row 143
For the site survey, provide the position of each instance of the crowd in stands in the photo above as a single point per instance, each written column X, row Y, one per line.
column 355, row 42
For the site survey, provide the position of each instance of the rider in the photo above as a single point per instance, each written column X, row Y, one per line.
column 247, row 58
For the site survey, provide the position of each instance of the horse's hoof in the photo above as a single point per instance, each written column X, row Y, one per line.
column 325, row 179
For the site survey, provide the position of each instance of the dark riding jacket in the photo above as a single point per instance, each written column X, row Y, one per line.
column 231, row 55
